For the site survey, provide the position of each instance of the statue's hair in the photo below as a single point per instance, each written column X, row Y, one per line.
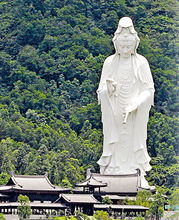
column 131, row 30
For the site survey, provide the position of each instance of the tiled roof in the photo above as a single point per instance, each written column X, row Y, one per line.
column 79, row 198
column 119, row 183
column 31, row 183
column 91, row 181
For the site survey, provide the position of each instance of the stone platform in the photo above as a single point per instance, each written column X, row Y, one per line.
column 128, row 184
column 119, row 184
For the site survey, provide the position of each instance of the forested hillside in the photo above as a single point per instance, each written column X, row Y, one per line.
column 51, row 55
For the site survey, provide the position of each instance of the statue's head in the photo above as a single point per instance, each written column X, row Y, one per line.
column 125, row 38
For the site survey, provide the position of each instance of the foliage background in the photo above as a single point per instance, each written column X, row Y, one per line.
column 51, row 55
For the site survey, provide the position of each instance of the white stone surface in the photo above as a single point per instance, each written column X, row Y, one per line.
column 33, row 217
column 125, row 93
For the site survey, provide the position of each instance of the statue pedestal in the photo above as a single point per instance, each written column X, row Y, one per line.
column 128, row 184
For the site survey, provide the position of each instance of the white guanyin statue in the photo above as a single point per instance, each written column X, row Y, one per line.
column 126, row 93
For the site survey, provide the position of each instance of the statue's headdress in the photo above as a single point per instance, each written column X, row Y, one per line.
column 126, row 22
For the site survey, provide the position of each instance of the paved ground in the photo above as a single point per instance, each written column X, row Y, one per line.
column 168, row 214
column 32, row 217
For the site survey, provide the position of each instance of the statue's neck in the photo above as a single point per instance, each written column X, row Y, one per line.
column 125, row 60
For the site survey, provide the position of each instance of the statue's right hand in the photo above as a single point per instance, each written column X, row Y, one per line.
column 111, row 87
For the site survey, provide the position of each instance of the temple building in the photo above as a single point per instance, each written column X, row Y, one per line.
column 47, row 199
column 91, row 185
column 81, row 202
column 36, row 187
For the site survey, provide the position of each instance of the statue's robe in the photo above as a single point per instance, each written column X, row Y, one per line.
column 124, row 145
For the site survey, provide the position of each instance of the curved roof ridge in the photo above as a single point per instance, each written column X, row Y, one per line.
column 14, row 181
column 89, row 180
column 100, row 181
column 85, row 180
column 48, row 181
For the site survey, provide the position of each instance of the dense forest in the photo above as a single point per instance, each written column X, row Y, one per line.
column 51, row 55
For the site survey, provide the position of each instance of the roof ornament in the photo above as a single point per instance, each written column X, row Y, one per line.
column 12, row 173
column 88, row 172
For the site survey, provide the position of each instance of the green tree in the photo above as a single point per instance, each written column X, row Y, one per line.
column 174, row 201
column 80, row 215
column 2, row 217
column 156, row 207
column 4, row 177
column 139, row 218
column 101, row 215
column 24, row 210
column 143, row 198
column 106, row 200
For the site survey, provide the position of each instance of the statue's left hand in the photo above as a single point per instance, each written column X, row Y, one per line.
column 131, row 108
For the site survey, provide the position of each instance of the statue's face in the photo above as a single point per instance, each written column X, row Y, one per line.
column 126, row 43
column 125, row 48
